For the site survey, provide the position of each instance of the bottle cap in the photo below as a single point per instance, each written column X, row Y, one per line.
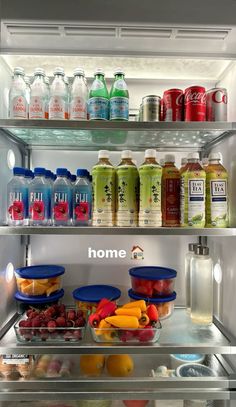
column 61, row 172
column 81, row 172
column 119, row 71
column 150, row 153
column 18, row 171
column 19, row 71
column 214, row 156
column 27, row 80
column 68, row 174
column 73, row 177
column 78, row 71
column 169, row 158
column 59, row 71
column 192, row 246
column 39, row 71
column 39, row 171
column 201, row 250
column 126, row 154
column 28, row 173
column 193, row 156
column 48, row 174
column 184, row 161
column 99, row 71
column 103, row 154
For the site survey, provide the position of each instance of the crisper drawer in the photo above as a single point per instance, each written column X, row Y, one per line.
column 145, row 377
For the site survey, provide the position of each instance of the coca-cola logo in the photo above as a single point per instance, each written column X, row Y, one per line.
column 179, row 99
column 195, row 97
column 219, row 96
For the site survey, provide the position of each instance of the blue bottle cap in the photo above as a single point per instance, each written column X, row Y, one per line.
column 73, row 177
column 81, row 172
column 28, row 173
column 39, row 171
column 61, row 172
column 68, row 174
column 18, row 171
column 48, row 174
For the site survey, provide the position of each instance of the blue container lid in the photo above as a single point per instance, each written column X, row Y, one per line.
column 188, row 357
column 41, row 271
column 18, row 171
column 152, row 273
column 39, row 299
column 167, row 298
column 94, row 293
column 81, row 172
column 61, row 172
column 39, row 171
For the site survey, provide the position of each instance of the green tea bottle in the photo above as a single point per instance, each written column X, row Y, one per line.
column 119, row 97
column 98, row 103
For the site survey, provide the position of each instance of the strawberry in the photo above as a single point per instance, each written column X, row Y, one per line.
column 147, row 334
column 152, row 313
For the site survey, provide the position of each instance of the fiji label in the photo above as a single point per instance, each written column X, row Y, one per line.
column 119, row 108
column 150, row 196
column 98, row 108
column 37, row 108
column 19, row 108
column 57, row 108
column 16, row 208
column 82, row 206
column 192, row 199
column 103, row 196
column 217, row 203
column 61, row 206
column 78, row 109
column 37, row 206
column 128, row 196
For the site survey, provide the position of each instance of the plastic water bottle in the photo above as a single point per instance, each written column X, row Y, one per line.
column 50, row 182
column 17, row 198
column 119, row 97
column 98, row 103
column 18, row 105
column 78, row 96
column 29, row 175
column 39, row 96
column 62, row 196
column 82, row 199
column 58, row 102
column 39, row 208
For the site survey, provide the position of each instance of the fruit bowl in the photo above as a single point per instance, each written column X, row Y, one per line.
column 118, row 335
column 68, row 326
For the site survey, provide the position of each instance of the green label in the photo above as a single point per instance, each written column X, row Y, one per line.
column 217, row 199
column 103, row 195
column 192, row 198
column 150, row 195
column 127, row 195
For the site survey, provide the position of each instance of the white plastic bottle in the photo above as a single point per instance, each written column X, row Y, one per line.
column 39, row 96
column 201, row 292
column 17, row 198
column 61, row 199
column 58, row 102
column 78, row 96
column 38, row 199
column 18, row 105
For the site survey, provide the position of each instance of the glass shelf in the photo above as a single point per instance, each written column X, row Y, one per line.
column 94, row 135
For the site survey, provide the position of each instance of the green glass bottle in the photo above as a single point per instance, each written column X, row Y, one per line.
column 119, row 97
column 98, row 103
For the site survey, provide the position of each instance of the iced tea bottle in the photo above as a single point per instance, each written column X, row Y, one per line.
column 170, row 195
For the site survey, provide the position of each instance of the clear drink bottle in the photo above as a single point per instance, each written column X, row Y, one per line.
column 47, row 81
column 187, row 269
column 78, row 96
column 39, row 96
column 17, row 198
column 18, row 105
column 58, row 101
column 98, row 103
column 28, row 88
column 82, row 199
column 61, row 199
column 39, row 208
column 119, row 97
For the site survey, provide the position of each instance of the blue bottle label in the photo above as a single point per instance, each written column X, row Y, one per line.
column 119, row 108
column 98, row 108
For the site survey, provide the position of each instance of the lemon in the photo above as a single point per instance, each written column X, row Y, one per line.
column 92, row 365
column 119, row 365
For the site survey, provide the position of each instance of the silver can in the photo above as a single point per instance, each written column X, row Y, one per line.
column 216, row 105
column 151, row 108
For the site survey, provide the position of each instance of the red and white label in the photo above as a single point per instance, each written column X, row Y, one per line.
column 19, row 108
column 173, row 105
column 37, row 108
column 57, row 108
column 78, row 109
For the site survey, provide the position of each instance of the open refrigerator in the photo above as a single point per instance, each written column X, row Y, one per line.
column 159, row 47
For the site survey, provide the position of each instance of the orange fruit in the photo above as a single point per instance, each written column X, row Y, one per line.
column 119, row 365
column 92, row 365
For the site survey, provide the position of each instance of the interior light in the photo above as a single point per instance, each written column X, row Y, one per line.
column 9, row 272
column 11, row 159
column 217, row 273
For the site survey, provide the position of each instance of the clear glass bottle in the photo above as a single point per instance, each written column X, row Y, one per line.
column 78, row 96
column 201, row 280
column 58, row 102
column 28, row 88
column 39, row 96
column 119, row 97
column 187, row 264
column 18, row 105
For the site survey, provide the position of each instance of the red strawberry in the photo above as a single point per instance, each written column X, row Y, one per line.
column 152, row 313
column 147, row 334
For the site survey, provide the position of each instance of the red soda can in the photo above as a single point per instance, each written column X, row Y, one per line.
column 173, row 105
column 195, row 104
column 216, row 105
column 161, row 110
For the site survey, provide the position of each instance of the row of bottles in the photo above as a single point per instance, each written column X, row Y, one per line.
column 59, row 101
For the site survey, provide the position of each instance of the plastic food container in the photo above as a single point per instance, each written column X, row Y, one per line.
column 39, row 280
column 39, row 301
column 165, row 305
column 88, row 296
column 152, row 281
column 194, row 370
column 177, row 360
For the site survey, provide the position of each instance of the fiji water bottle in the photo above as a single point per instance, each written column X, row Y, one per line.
column 82, row 199
column 78, row 96
column 62, row 196
column 50, row 182
column 18, row 105
column 58, row 102
column 38, row 96
column 98, row 103
column 29, row 175
column 119, row 97
column 17, row 198
column 39, row 208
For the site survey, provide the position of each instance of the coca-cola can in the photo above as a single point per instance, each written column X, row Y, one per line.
column 173, row 105
column 161, row 110
column 151, row 108
column 195, row 104
column 216, row 105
